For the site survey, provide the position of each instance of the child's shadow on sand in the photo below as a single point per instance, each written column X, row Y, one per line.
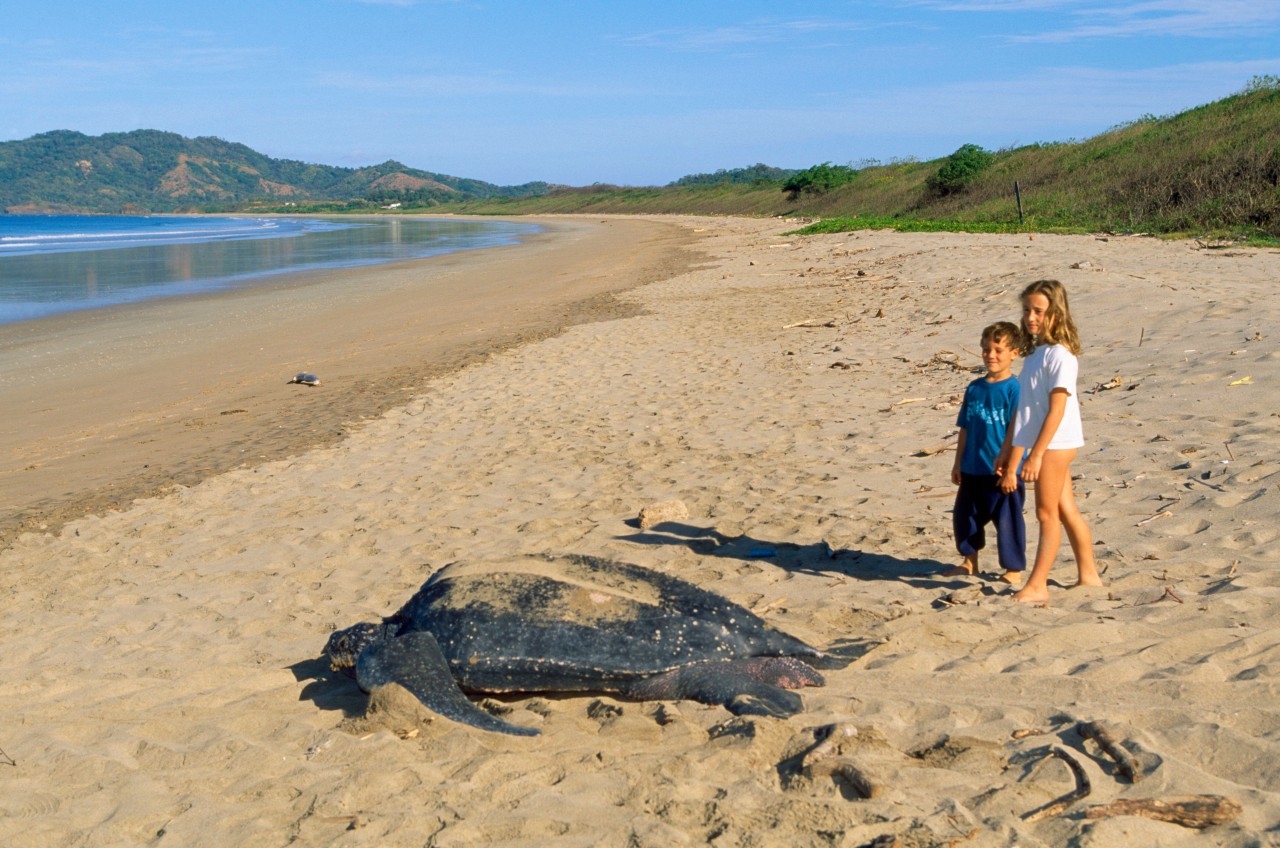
column 818, row 558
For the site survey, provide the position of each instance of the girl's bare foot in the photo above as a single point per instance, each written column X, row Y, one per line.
column 1032, row 595
column 1095, row 580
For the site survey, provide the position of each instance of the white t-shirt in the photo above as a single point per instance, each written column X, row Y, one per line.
column 1048, row 367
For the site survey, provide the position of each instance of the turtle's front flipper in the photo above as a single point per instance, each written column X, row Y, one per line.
column 415, row 662
column 753, row 686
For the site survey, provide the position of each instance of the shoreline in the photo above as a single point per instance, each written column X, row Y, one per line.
column 121, row 403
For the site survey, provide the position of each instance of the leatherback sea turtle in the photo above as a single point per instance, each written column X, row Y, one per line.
column 574, row 624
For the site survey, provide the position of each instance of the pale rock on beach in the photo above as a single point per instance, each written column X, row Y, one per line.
column 161, row 665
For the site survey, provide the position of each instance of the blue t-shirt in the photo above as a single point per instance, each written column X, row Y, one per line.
column 985, row 415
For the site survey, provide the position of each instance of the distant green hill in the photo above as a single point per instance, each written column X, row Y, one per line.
column 153, row 171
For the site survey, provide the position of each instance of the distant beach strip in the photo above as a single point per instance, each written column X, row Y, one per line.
column 52, row 264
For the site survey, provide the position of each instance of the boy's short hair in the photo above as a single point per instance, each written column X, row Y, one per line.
column 1003, row 331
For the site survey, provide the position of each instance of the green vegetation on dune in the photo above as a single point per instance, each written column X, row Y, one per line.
column 1213, row 170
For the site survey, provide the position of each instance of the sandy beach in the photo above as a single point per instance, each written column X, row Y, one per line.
column 108, row 406
column 161, row 665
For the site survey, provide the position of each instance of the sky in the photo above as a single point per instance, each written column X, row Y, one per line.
column 627, row 93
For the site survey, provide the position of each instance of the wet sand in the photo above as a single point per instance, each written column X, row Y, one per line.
column 105, row 407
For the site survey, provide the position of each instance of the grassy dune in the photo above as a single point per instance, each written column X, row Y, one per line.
column 1213, row 170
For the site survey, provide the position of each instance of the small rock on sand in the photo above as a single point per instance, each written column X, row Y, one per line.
column 656, row 513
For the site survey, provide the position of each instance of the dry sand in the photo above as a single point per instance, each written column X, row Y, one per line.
column 161, row 674
column 107, row 406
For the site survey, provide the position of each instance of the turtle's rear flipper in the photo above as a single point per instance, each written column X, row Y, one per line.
column 415, row 662
column 745, row 687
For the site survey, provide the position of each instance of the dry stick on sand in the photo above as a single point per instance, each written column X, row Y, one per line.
column 1082, row 790
column 822, row 760
column 855, row 775
column 1124, row 761
column 1161, row 513
column 810, row 322
column 938, row 448
column 1168, row 593
column 1197, row 811
column 831, row 735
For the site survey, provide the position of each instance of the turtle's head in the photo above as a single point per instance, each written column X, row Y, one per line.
column 345, row 645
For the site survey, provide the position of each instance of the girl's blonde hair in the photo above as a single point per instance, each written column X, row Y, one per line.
column 1058, row 328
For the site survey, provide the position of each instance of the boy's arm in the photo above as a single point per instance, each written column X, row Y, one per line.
column 1007, row 461
column 955, row 466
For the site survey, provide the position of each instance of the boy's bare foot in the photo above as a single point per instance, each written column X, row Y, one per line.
column 1029, row 595
column 1013, row 578
column 960, row 571
column 967, row 568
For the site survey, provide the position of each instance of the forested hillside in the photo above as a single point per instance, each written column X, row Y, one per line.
column 153, row 171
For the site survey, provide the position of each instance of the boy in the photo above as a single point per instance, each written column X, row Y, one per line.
column 990, row 403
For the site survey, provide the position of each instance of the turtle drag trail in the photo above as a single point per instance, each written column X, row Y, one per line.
column 162, row 674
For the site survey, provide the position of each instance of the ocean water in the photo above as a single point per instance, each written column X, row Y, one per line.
column 51, row 264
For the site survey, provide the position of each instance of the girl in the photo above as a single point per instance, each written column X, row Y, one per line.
column 1048, row 428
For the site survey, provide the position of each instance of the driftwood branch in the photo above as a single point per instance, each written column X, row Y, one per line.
column 830, row 736
column 811, row 322
column 1024, row 732
column 854, row 774
column 1082, row 790
column 1125, row 762
column 1197, row 811
column 824, row 760
column 949, row 444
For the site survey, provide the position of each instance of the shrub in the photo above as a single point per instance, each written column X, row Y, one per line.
column 960, row 169
column 819, row 179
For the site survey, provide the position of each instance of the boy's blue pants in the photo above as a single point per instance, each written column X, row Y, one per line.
column 980, row 502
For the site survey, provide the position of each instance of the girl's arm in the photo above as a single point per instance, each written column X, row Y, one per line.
column 1057, row 408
